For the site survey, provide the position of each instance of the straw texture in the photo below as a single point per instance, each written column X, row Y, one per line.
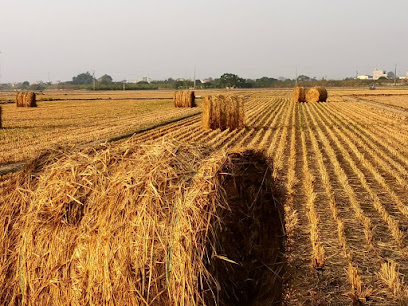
column 162, row 224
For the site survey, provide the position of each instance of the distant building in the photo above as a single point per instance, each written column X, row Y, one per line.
column 379, row 74
column 364, row 77
column 145, row 79
column 209, row 80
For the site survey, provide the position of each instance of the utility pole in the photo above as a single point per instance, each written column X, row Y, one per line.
column 395, row 75
column 194, row 78
column 124, row 85
column 296, row 77
column 94, row 80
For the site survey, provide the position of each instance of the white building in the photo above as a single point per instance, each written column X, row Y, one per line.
column 206, row 80
column 379, row 74
column 145, row 79
column 364, row 77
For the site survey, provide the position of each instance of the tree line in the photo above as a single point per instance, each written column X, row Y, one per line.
column 228, row 80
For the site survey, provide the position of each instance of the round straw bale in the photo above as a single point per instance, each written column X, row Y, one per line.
column 299, row 94
column 20, row 99
column 223, row 112
column 316, row 94
column 30, row 99
column 163, row 224
column 207, row 113
column 184, row 99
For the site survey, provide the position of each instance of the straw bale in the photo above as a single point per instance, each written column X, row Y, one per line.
column 184, row 99
column 30, row 99
column 20, row 99
column 207, row 113
column 316, row 94
column 162, row 224
column 26, row 99
column 1, row 113
column 223, row 112
column 299, row 94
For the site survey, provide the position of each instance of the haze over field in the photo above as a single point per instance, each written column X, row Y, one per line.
column 56, row 40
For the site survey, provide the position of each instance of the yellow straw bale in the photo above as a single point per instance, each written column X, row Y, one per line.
column 299, row 94
column 162, row 224
column 316, row 94
column 223, row 112
column 184, row 99
column 26, row 99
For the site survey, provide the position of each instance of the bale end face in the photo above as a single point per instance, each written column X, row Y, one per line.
column 250, row 233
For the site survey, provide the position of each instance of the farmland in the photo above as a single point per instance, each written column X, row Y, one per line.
column 342, row 165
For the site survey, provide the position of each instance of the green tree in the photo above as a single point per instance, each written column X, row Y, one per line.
column 82, row 79
column 265, row 82
column 38, row 86
column 105, row 80
column 25, row 84
column 302, row 78
column 231, row 81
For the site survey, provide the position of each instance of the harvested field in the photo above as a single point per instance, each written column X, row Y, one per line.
column 28, row 131
column 394, row 99
column 343, row 168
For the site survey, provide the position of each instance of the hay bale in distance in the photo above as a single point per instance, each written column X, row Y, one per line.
column 30, row 99
column 165, row 224
column 20, row 99
column 299, row 94
column 316, row 94
column 223, row 112
column 26, row 99
column 184, row 98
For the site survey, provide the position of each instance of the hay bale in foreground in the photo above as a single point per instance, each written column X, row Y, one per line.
column 1, row 113
column 223, row 112
column 299, row 94
column 316, row 94
column 184, row 99
column 26, row 99
column 166, row 224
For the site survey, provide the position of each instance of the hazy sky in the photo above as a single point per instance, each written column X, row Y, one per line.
column 160, row 39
